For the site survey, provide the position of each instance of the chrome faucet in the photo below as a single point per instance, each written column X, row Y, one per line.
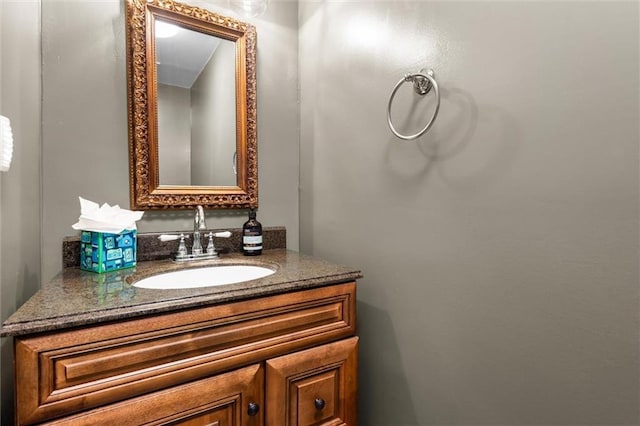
column 199, row 224
column 197, row 253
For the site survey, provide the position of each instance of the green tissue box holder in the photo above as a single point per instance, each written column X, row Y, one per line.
column 103, row 252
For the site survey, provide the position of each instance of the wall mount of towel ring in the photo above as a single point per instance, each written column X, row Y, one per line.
column 423, row 82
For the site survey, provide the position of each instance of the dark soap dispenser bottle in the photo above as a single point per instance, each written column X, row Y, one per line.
column 252, row 236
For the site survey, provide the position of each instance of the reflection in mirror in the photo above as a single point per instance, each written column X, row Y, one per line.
column 196, row 107
column 192, row 107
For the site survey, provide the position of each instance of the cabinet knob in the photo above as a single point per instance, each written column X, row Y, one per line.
column 253, row 409
column 319, row 403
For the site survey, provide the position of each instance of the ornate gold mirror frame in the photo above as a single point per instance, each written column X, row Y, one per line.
column 146, row 192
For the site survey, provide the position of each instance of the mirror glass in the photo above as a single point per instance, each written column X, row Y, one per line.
column 192, row 107
column 196, row 107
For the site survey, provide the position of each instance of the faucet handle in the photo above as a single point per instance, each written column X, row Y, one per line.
column 171, row 237
column 211, row 248
column 182, row 248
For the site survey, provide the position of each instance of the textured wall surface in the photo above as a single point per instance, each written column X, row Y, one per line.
column 500, row 250
column 20, row 202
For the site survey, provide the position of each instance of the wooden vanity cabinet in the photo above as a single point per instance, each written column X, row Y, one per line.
column 281, row 360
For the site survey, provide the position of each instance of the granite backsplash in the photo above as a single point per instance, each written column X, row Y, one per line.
column 151, row 248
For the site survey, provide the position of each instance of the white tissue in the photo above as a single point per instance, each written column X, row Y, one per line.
column 6, row 144
column 105, row 218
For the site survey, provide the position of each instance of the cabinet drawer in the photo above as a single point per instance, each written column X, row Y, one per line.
column 89, row 367
column 316, row 386
column 220, row 400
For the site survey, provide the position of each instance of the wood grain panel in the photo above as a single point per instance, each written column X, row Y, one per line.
column 66, row 372
column 219, row 400
column 295, row 381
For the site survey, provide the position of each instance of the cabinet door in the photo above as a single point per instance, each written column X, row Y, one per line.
column 229, row 399
column 317, row 386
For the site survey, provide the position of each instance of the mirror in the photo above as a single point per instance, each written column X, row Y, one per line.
column 192, row 107
column 196, row 107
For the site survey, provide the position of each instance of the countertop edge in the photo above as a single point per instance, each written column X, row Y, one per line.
column 55, row 323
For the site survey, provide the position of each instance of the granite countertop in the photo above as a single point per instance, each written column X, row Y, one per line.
column 76, row 298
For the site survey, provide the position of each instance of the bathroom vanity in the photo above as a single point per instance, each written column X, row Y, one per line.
column 280, row 350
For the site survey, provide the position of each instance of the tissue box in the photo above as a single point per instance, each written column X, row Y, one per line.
column 103, row 252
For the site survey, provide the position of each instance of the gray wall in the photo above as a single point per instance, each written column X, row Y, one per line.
column 20, row 186
column 85, row 121
column 174, row 135
column 500, row 250
column 213, row 139
column 84, row 115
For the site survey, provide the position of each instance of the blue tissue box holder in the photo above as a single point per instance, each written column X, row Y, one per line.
column 103, row 252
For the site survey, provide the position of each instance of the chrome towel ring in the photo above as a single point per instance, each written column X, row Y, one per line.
column 423, row 81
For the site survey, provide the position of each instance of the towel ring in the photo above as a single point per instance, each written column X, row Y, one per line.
column 423, row 81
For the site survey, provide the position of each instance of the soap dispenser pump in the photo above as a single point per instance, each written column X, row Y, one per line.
column 252, row 236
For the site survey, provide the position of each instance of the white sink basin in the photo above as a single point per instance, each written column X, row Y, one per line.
column 204, row 277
